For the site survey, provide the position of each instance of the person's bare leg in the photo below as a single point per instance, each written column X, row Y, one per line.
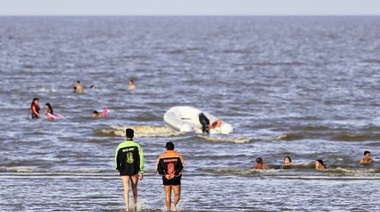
column 134, row 181
column 125, row 180
column 168, row 194
column 177, row 196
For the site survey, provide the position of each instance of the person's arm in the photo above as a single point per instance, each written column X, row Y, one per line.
column 179, row 168
column 159, row 167
column 117, row 159
column 141, row 155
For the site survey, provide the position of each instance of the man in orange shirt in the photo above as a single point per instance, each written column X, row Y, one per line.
column 170, row 165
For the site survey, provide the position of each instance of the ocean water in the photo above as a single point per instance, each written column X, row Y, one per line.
column 307, row 87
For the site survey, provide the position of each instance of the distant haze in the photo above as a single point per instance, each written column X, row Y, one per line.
column 189, row 7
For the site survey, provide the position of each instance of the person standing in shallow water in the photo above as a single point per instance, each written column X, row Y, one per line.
column 129, row 158
column 170, row 165
column 35, row 108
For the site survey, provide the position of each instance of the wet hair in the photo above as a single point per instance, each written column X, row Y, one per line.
column 78, row 81
column 321, row 162
column 131, row 81
column 129, row 133
column 50, row 107
column 169, row 146
column 259, row 160
column 31, row 105
column 96, row 112
column 290, row 160
column 366, row 152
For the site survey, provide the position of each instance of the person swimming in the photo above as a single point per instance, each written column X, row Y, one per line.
column 367, row 158
column 96, row 114
column 287, row 162
column 319, row 164
column 131, row 85
column 260, row 164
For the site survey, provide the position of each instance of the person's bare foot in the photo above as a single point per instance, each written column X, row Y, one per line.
column 174, row 208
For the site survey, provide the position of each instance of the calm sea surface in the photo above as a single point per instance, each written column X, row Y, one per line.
column 307, row 87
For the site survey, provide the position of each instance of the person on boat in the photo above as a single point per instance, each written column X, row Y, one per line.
column 131, row 85
column 260, row 164
column 319, row 164
column 367, row 158
column 35, row 108
column 215, row 124
column 205, row 122
column 170, row 165
column 49, row 111
column 129, row 158
column 287, row 162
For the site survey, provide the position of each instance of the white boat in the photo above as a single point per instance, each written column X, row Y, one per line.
column 190, row 119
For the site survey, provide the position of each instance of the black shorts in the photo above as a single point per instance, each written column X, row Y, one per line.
column 34, row 116
column 175, row 181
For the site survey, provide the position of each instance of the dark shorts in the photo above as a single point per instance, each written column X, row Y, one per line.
column 34, row 116
column 175, row 181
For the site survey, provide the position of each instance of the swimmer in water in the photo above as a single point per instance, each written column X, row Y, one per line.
column 96, row 114
column 131, row 85
column 287, row 162
column 367, row 158
column 79, row 87
column 319, row 164
column 260, row 164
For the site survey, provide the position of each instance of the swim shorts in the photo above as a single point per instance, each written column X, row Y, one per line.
column 175, row 181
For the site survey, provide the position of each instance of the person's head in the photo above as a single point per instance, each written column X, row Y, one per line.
column 78, row 82
column 74, row 88
column 367, row 154
column 95, row 113
column 319, row 164
column 47, row 105
column 169, row 146
column 259, row 160
column 131, row 82
column 129, row 133
column 35, row 101
column 287, row 160
column 92, row 87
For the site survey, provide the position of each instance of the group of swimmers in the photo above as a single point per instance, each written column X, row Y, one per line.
column 319, row 164
column 78, row 88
